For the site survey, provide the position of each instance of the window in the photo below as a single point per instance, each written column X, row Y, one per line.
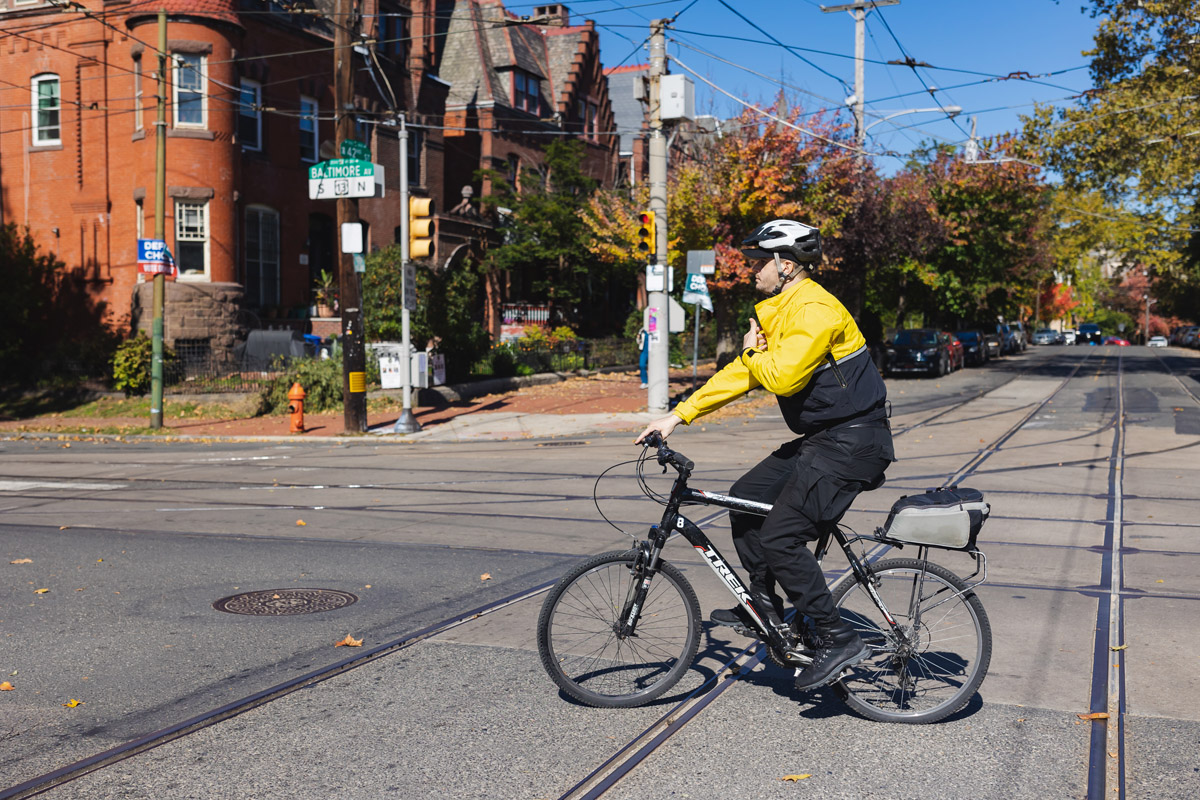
column 191, row 240
column 591, row 120
column 250, row 115
column 140, row 220
column 47, row 110
column 525, row 91
column 137, row 94
column 392, row 34
column 309, row 129
column 514, row 169
column 416, row 139
column 262, row 256
column 189, row 90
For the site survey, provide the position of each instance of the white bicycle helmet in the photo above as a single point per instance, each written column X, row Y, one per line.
column 789, row 239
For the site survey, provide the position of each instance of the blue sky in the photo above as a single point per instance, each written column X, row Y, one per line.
column 995, row 37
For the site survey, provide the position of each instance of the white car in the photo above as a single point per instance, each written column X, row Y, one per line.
column 1157, row 341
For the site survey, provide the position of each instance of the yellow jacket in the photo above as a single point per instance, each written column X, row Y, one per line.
column 804, row 326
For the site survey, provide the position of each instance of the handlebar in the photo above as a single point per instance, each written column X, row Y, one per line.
column 666, row 455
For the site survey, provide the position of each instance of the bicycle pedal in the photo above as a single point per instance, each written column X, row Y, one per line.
column 742, row 630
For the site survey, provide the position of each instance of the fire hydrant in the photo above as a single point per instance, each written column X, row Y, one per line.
column 296, row 407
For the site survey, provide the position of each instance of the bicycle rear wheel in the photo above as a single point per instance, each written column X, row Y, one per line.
column 933, row 664
column 578, row 632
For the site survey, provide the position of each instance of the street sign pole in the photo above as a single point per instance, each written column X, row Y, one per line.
column 659, row 356
column 406, row 423
column 160, row 224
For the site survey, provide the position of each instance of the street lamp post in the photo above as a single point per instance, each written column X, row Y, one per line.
column 950, row 111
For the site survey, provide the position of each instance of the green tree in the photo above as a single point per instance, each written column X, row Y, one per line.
column 542, row 221
column 446, row 314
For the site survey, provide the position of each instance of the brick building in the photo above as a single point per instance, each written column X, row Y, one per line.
column 249, row 108
column 515, row 82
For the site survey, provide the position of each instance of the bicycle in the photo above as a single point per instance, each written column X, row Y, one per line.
column 621, row 628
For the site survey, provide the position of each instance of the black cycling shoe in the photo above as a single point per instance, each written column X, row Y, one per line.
column 738, row 616
column 838, row 647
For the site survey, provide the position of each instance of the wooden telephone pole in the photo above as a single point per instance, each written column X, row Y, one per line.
column 354, row 376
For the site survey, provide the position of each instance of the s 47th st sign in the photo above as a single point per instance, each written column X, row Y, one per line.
column 345, row 177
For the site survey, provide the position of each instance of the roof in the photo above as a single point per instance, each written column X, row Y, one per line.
column 484, row 42
column 222, row 10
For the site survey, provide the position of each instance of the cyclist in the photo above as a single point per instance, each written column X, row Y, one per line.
column 810, row 354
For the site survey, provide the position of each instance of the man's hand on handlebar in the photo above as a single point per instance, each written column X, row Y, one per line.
column 662, row 426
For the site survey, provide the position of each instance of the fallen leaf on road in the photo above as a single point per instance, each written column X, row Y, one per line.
column 487, row 576
column 349, row 641
column 63, row 527
column 301, row 523
column 40, row 591
column 72, row 703
column 1160, row 580
column 794, row 778
column 1096, row 715
column 1119, row 647
column 6, row 687
column 22, row 561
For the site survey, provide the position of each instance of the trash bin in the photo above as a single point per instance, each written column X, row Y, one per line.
column 264, row 347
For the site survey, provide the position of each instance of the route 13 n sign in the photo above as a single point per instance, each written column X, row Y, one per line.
column 344, row 177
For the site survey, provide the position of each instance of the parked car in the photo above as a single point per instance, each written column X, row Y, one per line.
column 1068, row 336
column 1189, row 336
column 1117, row 340
column 1088, row 333
column 1012, row 338
column 957, row 351
column 975, row 347
column 1046, row 336
column 919, row 350
column 1157, row 341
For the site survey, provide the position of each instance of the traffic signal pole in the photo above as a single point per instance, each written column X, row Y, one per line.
column 406, row 423
column 658, row 366
column 354, row 362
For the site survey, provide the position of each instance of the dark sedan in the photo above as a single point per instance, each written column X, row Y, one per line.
column 975, row 347
column 920, row 350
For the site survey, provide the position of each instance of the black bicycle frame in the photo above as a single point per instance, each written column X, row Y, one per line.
column 674, row 522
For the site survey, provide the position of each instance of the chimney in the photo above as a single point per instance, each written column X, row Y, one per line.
column 556, row 14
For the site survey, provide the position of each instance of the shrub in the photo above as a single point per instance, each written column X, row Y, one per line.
column 132, row 365
column 321, row 379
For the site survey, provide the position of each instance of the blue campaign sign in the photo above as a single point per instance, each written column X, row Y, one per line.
column 696, row 291
column 154, row 257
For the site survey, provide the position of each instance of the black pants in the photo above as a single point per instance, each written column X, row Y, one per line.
column 809, row 481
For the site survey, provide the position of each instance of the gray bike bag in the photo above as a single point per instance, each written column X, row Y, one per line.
column 949, row 518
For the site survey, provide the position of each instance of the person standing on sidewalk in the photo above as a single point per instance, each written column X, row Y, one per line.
column 811, row 355
column 643, row 343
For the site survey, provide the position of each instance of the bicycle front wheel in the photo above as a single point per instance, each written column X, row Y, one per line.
column 933, row 663
column 582, row 643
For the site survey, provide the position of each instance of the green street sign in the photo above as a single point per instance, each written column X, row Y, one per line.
column 345, row 177
column 352, row 148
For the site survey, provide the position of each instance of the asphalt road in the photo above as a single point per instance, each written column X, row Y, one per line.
column 1087, row 456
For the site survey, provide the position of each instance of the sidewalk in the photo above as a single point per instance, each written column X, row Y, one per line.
column 554, row 406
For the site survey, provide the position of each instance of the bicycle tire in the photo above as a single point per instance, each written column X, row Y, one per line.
column 581, row 651
column 905, row 679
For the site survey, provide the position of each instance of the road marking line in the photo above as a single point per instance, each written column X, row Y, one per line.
column 23, row 486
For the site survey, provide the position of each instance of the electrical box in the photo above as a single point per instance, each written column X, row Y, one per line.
column 677, row 95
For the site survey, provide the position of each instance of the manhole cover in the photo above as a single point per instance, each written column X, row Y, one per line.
column 560, row 444
column 284, row 602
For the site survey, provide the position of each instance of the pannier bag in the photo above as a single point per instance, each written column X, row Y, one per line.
column 949, row 518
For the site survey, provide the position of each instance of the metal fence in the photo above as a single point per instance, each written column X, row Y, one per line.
column 196, row 369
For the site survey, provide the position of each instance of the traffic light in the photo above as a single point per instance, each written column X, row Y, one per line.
column 645, row 236
column 420, row 227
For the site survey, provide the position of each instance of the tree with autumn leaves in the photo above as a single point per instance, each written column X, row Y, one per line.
column 940, row 242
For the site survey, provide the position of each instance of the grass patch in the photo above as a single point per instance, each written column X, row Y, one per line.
column 112, row 407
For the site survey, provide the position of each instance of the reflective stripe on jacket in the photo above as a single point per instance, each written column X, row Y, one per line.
column 803, row 326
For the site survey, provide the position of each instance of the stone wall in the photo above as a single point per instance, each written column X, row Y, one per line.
column 194, row 311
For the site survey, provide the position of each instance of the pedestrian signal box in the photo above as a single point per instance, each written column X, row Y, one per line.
column 646, row 236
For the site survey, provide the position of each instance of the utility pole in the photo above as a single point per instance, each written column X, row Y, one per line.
column 658, row 366
column 354, row 362
column 406, row 423
column 160, row 225
column 859, row 10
